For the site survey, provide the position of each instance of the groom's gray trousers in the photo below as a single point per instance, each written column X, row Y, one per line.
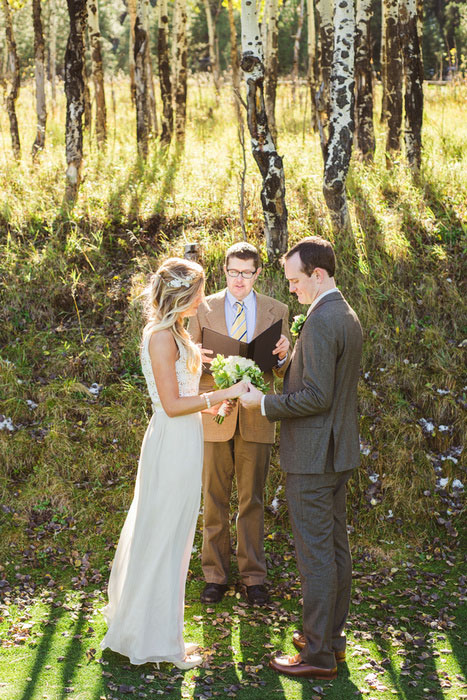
column 317, row 512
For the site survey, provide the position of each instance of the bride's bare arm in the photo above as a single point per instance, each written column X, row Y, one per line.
column 163, row 352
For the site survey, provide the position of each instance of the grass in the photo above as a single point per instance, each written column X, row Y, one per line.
column 69, row 318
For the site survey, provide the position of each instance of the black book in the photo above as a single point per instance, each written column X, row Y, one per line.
column 259, row 349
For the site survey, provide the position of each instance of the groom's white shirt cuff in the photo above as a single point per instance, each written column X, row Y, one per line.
column 263, row 412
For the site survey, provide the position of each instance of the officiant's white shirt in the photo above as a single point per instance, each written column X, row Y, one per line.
column 310, row 309
column 249, row 303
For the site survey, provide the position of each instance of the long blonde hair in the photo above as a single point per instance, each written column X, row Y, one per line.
column 170, row 292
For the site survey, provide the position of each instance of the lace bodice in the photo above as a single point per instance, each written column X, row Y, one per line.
column 188, row 383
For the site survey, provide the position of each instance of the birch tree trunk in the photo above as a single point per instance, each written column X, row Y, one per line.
column 392, row 74
column 164, row 74
column 264, row 151
column 13, row 65
column 97, row 70
column 141, row 39
column 324, row 13
column 234, row 61
column 152, row 116
column 271, row 64
column 53, row 50
column 39, row 56
column 180, row 69
column 214, row 63
column 74, row 90
column 413, row 76
column 341, row 123
column 311, row 50
column 131, row 56
column 296, row 48
column 364, row 128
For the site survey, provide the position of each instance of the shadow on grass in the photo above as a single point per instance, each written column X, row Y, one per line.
column 41, row 653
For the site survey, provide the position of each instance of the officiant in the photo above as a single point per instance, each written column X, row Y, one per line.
column 241, row 445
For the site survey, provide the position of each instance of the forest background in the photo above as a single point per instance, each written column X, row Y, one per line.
column 73, row 404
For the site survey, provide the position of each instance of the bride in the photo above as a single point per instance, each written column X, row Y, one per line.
column 147, row 582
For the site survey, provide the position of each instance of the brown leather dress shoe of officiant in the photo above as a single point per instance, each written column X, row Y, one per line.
column 299, row 642
column 213, row 592
column 296, row 668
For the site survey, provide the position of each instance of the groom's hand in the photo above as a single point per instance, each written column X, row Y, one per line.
column 282, row 347
column 252, row 398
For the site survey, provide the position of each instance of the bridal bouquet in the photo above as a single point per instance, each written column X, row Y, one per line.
column 227, row 371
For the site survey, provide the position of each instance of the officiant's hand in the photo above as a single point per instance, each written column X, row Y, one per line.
column 282, row 347
column 252, row 398
column 206, row 355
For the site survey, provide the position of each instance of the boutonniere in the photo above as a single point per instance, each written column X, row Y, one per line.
column 297, row 324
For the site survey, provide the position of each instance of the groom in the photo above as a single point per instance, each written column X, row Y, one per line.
column 319, row 448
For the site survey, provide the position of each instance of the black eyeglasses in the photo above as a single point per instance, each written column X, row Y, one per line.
column 246, row 274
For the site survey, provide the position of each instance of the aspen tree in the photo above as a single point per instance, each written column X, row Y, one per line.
column 13, row 64
column 39, row 71
column 95, row 42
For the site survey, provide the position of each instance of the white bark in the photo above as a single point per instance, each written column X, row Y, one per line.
column 324, row 13
column 164, row 74
column 142, row 97
column 97, row 70
column 13, row 93
column 271, row 63
column 53, row 50
column 311, row 51
column 39, row 69
column 181, row 49
column 364, row 129
column 214, row 63
column 413, row 75
column 264, row 150
column 341, row 124
column 296, row 48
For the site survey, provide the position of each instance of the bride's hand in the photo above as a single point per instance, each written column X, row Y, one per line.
column 237, row 389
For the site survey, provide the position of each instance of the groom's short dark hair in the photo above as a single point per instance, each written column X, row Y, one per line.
column 243, row 251
column 314, row 251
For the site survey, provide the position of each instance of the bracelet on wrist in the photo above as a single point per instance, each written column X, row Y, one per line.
column 207, row 400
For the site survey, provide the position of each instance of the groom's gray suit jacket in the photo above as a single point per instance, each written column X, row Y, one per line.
column 318, row 409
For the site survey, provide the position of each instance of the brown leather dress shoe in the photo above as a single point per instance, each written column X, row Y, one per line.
column 213, row 592
column 296, row 668
column 299, row 642
column 257, row 595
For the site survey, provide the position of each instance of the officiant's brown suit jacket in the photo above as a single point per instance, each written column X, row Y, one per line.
column 211, row 314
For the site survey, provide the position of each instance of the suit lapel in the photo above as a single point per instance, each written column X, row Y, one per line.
column 335, row 296
column 264, row 315
column 215, row 317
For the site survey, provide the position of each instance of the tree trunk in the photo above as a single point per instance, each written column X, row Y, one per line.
column 214, row 64
column 324, row 13
column 413, row 75
column 152, row 117
column 311, row 76
column 264, row 150
column 271, row 65
column 97, row 70
column 296, row 47
column 131, row 57
column 39, row 55
column 13, row 65
column 74, row 90
column 392, row 75
column 341, row 124
column 141, row 39
column 180, row 69
column 234, row 61
column 364, row 81
column 53, row 50
column 164, row 74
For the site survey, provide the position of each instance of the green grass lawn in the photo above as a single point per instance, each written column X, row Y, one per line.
column 405, row 632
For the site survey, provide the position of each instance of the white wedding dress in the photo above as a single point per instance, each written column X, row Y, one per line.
column 147, row 582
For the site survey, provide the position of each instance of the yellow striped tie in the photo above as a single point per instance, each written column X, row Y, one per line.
column 238, row 329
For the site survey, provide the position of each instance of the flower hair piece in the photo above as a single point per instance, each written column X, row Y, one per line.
column 176, row 282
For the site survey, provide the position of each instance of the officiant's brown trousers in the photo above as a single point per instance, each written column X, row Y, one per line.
column 249, row 462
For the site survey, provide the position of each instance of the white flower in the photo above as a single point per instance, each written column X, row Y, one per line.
column 374, row 502
column 443, row 428
column 443, row 392
column 373, row 478
column 31, row 404
column 442, row 483
column 427, row 425
column 456, row 484
column 95, row 388
column 6, row 423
